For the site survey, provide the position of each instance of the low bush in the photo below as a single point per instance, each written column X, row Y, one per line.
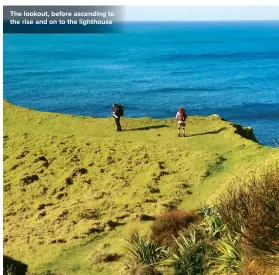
column 193, row 252
column 170, row 224
column 230, row 258
column 252, row 211
column 145, row 252
column 192, row 261
column 212, row 221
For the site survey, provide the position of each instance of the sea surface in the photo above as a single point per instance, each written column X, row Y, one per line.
column 225, row 68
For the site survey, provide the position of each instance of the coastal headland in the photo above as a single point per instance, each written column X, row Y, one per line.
column 73, row 186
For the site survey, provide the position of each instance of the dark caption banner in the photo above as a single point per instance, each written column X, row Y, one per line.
column 62, row 19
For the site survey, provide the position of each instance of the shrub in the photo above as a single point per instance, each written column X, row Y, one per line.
column 144, row 251
column 230, row 260
column 194, row 250
column 212, row 221
column 191, row 262
column 170, row 223
column 252, row 211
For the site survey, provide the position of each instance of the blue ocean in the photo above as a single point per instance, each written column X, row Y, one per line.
column 225, row 68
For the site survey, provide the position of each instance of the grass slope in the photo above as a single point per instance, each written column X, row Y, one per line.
column 73, row 186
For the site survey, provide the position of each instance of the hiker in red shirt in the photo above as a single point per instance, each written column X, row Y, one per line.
column 181, row 118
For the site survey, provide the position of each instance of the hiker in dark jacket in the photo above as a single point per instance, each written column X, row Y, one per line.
column 116, row 114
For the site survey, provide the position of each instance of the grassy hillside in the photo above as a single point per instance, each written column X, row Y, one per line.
column 74, row 187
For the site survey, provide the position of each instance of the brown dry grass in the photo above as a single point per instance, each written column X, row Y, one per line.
column 170, row 223
column 252, row 210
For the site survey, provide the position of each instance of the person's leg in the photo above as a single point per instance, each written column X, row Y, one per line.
column 178, row 130
column 183, row 128
column 119, row 125
column 117, row 121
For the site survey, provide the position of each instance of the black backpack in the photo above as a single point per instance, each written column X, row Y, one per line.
column 121, row 110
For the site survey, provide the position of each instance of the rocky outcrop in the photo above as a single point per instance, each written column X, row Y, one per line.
column 246, row 132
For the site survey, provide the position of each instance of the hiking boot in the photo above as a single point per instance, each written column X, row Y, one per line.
column 184, row 135
column 178, row 135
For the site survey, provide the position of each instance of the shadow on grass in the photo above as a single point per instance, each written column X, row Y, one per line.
column 12, row 266
column 209, row 133
column 148, row 127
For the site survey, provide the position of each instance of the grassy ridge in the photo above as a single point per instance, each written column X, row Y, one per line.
column 73, row 186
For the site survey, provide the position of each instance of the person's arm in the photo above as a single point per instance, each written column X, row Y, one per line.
column 117, row 113
column 113, row 112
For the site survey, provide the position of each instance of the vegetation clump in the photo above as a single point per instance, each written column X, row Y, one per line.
column 145, row 254
column 239, row 235
column 169, row 224
column 252, row 211
column 145, row 251
column 192, row 252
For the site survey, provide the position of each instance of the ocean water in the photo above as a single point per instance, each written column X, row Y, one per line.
column 227, row 68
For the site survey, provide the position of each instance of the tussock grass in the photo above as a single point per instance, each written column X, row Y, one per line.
column 168, row 225
column 144, row 251
column 252, row 210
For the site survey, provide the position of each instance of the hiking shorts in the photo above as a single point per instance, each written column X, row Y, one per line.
column 181, row 125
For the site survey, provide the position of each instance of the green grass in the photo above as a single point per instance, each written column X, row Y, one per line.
column 51, row 224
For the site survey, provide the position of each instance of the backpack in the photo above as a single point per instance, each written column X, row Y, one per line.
column 182, row 116
column 121, row 110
